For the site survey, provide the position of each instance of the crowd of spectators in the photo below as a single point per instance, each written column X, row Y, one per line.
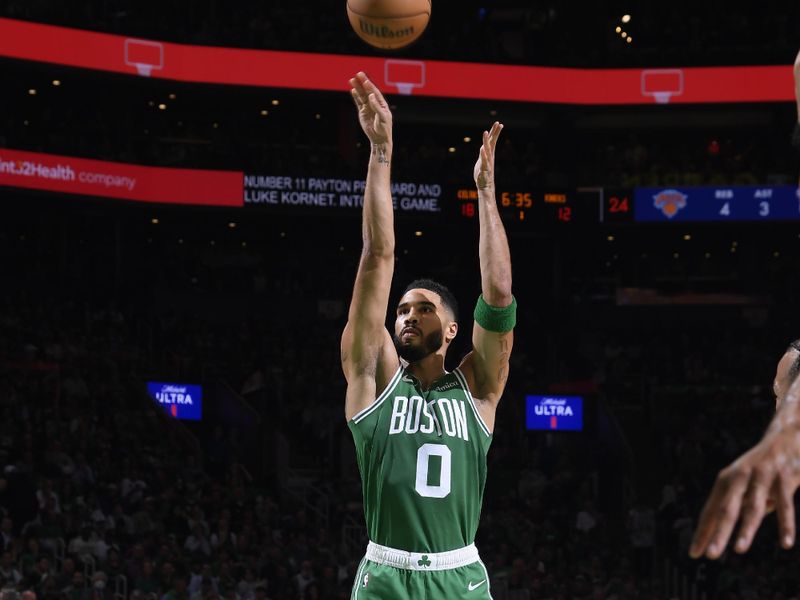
column 309, row 136
column 102, row 499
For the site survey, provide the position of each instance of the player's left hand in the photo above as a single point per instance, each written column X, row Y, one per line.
column 484, row 167
column 764, row 478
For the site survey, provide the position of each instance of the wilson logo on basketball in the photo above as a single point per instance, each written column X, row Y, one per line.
column 670, row 202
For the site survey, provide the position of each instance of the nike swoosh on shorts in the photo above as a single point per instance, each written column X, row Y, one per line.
column 475, row 586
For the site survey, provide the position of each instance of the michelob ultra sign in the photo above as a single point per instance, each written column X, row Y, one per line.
column 179, row 400
column 554, row 413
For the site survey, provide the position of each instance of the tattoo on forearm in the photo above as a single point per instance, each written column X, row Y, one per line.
column 380, row 152
column 502, row 375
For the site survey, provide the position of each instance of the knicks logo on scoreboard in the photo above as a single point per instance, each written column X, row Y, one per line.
column 670, row 202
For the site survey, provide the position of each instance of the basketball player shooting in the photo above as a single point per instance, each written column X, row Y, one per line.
column 422, row 433
column 763, row 479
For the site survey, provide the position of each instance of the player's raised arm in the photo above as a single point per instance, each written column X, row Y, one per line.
column 368, row 355
column 763, row 478
column 495, row 313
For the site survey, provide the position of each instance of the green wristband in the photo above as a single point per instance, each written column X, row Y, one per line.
column 495, row 318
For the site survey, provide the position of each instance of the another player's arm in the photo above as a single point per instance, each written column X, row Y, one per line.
column 486, row 367
column 765, row 477
column 367, row 353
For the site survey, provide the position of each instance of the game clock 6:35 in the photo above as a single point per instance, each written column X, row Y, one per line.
column 534, row 208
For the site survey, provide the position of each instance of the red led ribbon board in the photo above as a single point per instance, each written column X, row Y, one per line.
column 85, row 177
column 299, row 70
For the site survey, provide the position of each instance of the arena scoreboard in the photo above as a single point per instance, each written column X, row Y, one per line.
column 317, row 195
column 525, row 206
column 723, row 203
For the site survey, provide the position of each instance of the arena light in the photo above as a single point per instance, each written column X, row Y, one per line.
column 467, row 140
column 264, row 113
column 629, row 40
column 172, row 96
column 154, row 221
column 31, row 92
column 418, row 233
column 232, row 225
column 451, row 149
column 618, row 29
column 687, row 237
column 56, row 82
column 276, row 102
column 162, row 106
column 610, row 238
column 626, row 18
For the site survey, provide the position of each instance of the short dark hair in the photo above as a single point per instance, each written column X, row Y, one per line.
column 794, row 370
column 448, row 299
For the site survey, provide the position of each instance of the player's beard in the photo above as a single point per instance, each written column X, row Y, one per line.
column 415, row 353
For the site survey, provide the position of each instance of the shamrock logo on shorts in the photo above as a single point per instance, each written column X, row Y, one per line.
column 424, row 562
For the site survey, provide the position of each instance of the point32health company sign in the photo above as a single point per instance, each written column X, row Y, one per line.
column 179, row 400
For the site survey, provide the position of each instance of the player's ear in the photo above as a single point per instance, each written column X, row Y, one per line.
column 451, row 331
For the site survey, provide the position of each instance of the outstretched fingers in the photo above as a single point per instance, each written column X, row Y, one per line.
column 786, row 518
column 356, row 99
column 719, row 515
column 497, row 127
column 370, row 88
column 357, row 85
column 753, row 509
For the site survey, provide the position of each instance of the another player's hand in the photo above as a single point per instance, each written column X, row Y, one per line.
column 484, row 167
column 762, row 479
column 373, row 110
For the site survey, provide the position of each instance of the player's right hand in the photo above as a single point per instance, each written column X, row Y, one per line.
column 766, row 476
column 373, row 110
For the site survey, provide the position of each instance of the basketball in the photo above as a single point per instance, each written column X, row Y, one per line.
column 389, row 24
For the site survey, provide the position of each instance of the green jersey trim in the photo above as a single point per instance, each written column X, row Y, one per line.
column 379, row 400
column 463, row 381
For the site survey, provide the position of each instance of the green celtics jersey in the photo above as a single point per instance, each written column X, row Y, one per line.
column 422, row 457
